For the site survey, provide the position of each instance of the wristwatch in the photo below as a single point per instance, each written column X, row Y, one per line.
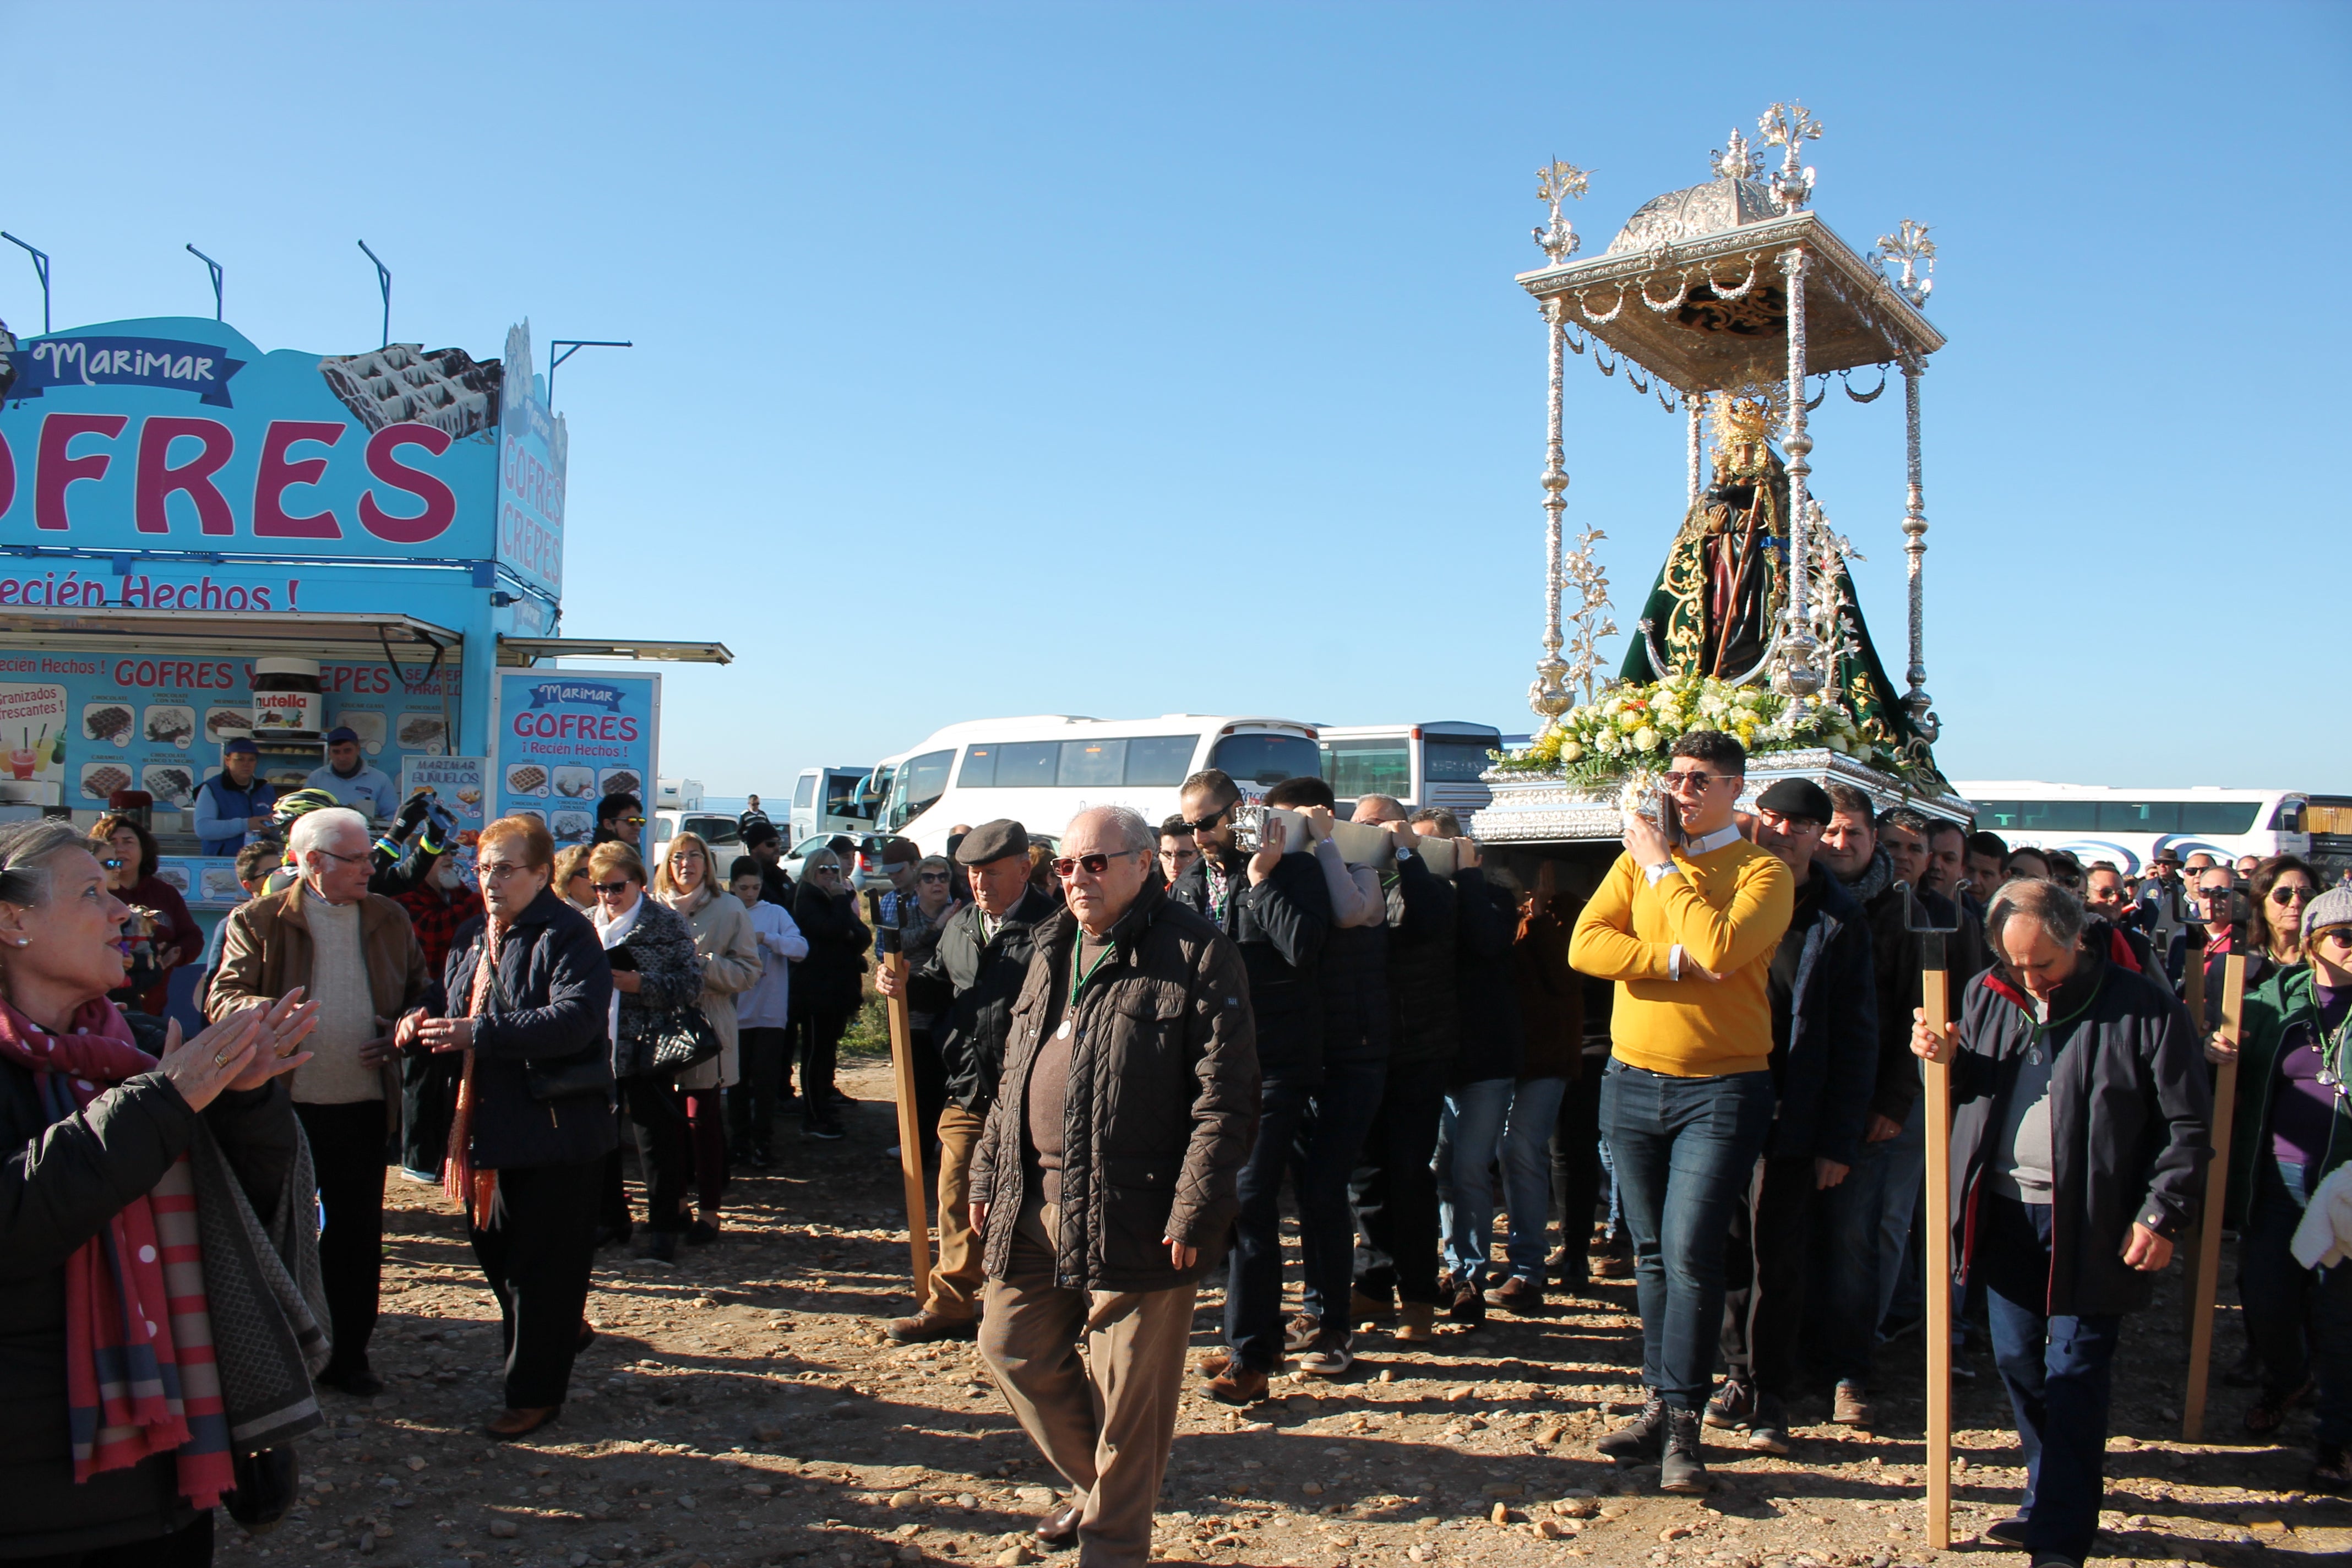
column 1403, row 854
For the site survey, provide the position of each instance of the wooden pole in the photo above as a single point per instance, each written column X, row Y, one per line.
column 2217, row 1191
column 1934, row 986
column 910, row 1136
column 2192, row 994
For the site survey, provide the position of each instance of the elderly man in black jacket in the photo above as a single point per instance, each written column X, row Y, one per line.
column 1824, row 1001
column 968, row 983
column 2079, row 1139
column 1104, row 1186
column 1277, row 910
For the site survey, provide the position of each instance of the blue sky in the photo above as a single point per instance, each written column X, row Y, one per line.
column 1119, row 360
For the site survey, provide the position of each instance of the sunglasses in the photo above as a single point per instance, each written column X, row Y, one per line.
column 608, row 887
column 1695, row 778
column 630, row 821
column 1206, row 823
column 931, row 877
column 114, row 865
column 1069, row 866
column 2290, row 895
column 2341, row 935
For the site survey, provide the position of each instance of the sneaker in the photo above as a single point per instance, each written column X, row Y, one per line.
column 1330, row 1356
column 1732, row 1405
column 2009, row 1532
column 822, row 1127
column 1680, row 1468
column 1300, row 1331
column 1416, row 1323
column 1468, row 1307
column 1237, row 1385
column 1518, row 1294
column 1768, row 1430
column 422, row 1178
column 1852, row 1406
column 1615, row 1262
column 1642, row 1437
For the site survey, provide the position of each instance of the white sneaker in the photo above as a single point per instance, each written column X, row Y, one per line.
column 422, row 1178
column 1328, row 1356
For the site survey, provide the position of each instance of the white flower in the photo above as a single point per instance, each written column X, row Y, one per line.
column 1645, row 739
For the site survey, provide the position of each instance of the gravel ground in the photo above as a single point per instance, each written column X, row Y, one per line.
column 744, row 1408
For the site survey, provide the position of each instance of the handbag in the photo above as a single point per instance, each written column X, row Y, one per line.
column 679, row 1039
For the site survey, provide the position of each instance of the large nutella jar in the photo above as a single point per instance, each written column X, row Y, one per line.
column 285, row 699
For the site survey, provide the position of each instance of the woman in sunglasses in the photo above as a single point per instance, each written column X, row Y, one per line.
column 728, row 950
column 2282, row 889
column 160, row 934
column 2292, row 1126
column 655, row 971
column 830, row 987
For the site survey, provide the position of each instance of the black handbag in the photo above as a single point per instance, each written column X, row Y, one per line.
column 679, row 1039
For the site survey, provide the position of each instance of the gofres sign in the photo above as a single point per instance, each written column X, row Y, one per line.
column 179, row 435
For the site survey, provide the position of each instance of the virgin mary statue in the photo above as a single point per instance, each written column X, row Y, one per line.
column 1724, row 587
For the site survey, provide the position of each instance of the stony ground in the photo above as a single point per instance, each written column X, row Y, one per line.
column 744, row 1408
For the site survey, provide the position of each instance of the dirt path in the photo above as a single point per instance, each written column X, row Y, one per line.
column 744, row 1408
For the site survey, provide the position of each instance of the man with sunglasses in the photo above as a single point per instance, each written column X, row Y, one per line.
column 1105, row 1184
column 1277, row 908
column 968, row 982
column 621, row 818
column 2212, row 909
column 1685, row 927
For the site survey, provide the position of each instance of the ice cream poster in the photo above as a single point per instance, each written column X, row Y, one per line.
column 33, row 736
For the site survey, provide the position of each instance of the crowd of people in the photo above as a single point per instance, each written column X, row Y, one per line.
column 1699, row 1068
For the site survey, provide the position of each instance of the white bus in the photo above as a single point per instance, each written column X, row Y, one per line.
column 1043, row 770
column 824, row 800
column 1437, row 763
column 2129, row 825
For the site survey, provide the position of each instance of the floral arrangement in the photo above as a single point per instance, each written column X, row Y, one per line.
column 1631, row 727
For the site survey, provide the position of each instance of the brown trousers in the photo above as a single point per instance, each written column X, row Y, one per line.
column 1106, row 1418
column 956, row 1277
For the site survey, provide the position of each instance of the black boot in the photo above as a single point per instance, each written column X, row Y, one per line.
column 1643, row 1437
column 1680, row 1468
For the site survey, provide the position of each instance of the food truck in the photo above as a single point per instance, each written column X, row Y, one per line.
column 203, row 539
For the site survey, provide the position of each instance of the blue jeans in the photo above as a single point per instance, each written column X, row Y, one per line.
column 1253, row 1285
column 2300, row 1319
column 1470, row 1145
column 1323, row 1156
column 1527, row 1173
column 1860, row 1229
column 1684, row 1150
column 2057, row 1373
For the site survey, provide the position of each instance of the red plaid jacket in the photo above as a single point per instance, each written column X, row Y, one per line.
column 436, row 921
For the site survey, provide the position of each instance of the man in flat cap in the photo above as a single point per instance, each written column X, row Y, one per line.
column 969, row 984
column 1824, row 1004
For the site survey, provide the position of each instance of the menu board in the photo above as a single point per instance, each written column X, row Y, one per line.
column 566, row 738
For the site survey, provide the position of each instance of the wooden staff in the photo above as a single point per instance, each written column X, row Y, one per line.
column 910, row 1138
column 2193, row 983
column 2205, row 1276
column 1936, row 1003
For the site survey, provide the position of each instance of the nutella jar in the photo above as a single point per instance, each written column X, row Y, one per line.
column 285, row 699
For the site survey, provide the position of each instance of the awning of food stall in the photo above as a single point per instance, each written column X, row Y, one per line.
column 327, row 634
column 529, row 650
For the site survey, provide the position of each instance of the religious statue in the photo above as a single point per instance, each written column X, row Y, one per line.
column 1724, row 589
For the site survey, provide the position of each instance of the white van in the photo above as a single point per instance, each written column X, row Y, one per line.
column 1043, row 770
column 824, row 800
column 1437, row 764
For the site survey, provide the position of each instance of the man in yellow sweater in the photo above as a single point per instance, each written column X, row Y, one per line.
column 1686, row 929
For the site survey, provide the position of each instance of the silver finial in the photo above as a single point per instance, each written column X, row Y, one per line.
column 1910, row 246
column 1784, row 125
column 1557, row 183
column 1738, row 160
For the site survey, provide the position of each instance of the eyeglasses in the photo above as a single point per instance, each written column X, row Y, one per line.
column 499, row 870
column 608, row 887
column 1795, row 827
column 933, row 877
column 1207, row 822
column 2341, row 935
column 1094, row 865
column 685, row 858
column 114, row 865
column 346, row 859
column 1699, row 779
column 2283, row 894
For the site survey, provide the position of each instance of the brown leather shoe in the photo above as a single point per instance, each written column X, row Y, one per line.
column 1056, row 1531
column 927, row 1326
column 510, row 1424
column 1213, row 1363
column 1237, row 1385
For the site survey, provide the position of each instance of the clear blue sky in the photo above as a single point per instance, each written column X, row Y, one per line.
column 1118, row 360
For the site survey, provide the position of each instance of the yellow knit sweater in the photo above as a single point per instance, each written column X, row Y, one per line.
column 1727, row 909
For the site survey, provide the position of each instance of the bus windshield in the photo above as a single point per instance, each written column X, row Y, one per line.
column 917, row 782
column 1265, row 760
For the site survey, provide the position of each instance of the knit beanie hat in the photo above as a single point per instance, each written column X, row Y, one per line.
column 2332, row 908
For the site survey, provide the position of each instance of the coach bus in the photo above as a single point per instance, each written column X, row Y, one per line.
column 1437, row 764
column 1042, row 770
column 2129, row 825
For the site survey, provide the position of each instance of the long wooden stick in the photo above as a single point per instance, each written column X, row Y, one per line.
column 1934, row 986
column 2217, row 1191
column 2192, row 994
column 910, row 1134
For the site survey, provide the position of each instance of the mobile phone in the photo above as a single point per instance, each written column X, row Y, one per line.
column 1670, row 816
column 621, row 959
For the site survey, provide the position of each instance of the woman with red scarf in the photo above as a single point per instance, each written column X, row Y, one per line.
column 114, row 1435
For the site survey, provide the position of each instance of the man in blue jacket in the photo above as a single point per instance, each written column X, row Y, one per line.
column 1824, row 1062
column 234, row 804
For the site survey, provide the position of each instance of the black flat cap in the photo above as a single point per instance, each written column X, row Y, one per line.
column 992, row 841
column 1800, row 800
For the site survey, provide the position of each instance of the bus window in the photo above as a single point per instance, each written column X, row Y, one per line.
column 804, row 793
column 1027, row 764
column 2057, row 816
column 2140, row 817
column 1455, row 760
column 978, row 768
column 1265, row 760
column 1160, row 760
column 2218, row 816
column 1997, row 815
column 1090, row 765
column 919, row 782
column 2288, row 817
column 841, row 796
column 1356, row 768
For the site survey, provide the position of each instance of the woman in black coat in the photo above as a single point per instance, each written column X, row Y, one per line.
column 828, row 985
column 526, row 989
column 656, row 972
column 93, row 1129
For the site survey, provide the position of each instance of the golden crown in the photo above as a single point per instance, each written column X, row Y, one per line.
column 1751, row 414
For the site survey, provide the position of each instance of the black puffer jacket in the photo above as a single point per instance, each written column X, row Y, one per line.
column 1426, row 1015
column 1485, row 983
column 831, row 978
column 547, row 1013
column 1354, row 980
column 968, row 983
column 1280, row 925
column 58, row 1185
column 1827, row 1067
column 1161, row 1106
column 2130, row 1103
